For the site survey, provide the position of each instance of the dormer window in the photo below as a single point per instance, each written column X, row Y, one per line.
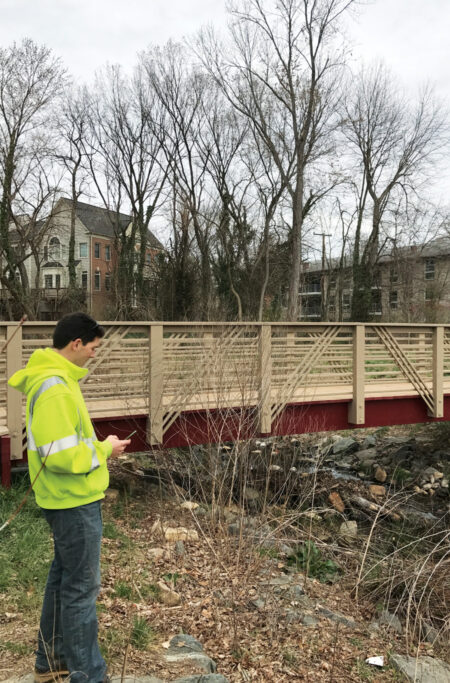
column 54, row 249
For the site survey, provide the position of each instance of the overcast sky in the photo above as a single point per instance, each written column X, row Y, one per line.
column 410, row 35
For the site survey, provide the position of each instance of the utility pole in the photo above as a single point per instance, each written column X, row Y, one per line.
column 322, row 279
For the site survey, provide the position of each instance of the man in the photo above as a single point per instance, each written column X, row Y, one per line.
column 69, row 489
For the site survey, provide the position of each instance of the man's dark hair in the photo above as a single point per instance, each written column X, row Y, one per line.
column 76, row 326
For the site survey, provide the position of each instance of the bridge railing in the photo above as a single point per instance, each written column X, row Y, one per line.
column 165, row 369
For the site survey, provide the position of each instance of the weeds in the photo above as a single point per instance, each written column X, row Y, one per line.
column 123, row 590
column 142, row 633
column 308, row 559
column 25, row 549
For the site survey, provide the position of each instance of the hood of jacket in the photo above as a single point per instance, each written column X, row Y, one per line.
column 45, row 363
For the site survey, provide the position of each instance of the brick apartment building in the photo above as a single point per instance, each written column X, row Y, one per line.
column 95, row 257
column 412, row 284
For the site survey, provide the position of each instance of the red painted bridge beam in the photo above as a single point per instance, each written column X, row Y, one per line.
column 215, row 426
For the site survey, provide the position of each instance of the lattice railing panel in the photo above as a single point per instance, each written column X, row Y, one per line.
column 416, row 347
column 447, row 353
column 120, row 368
column 291, row 346
column 215, row 366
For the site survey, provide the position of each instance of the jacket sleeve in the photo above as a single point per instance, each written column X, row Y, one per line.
column 58, row 437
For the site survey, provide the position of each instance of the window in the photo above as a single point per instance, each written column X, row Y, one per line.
column 346, row 301
column 107, row 252
column 313, row 284
column 58, row 281
column 83, row 249
column 393, row 274
column 54, row 250
column 393, row 300
column 375, row 306
column 312, row 308
column 48, row 281
column 84, row 279
column 97, row 280
column 46, row 253
column 108, row 282
column 97, row 250
column 430, row 294
column 429, row 269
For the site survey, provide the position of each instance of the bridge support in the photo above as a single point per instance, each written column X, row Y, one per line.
column 356, row 410
column 265, row 376
column 155, row 427
column 438, row 372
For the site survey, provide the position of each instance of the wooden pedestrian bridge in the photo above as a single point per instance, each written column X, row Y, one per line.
column 188, row 383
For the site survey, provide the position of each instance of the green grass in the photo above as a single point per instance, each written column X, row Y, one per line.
column 25, row 548
column 111, row 531
column 123, row 590
column 16, row 648
column 142, row 633
column 171, row 578
column 308, row 558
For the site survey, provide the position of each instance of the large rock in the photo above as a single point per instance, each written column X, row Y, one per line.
column 369, row 442
column 345, row 445
column 349, row 529
column 380, row 475
column 185, row 643
column 336, row 501
column 390, row 621
column 377, row 491
column 167, row 596
column 199, row 660
column 397, row 440
column 368, row 456
column 180, row 534
column 336, row 617
column 185, row 648
column 422, row 669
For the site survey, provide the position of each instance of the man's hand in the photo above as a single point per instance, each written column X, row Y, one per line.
column 118, row 445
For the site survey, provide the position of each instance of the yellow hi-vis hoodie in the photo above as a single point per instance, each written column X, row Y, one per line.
column 60, row 433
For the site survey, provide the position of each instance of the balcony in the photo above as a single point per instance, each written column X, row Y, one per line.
column 52, row 292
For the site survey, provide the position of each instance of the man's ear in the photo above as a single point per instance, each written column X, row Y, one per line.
column 76, row 344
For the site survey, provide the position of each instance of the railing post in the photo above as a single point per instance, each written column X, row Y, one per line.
column 438, row 371
column 265, row 376
column 155, row 431
column 356, row 411
column 13, row 397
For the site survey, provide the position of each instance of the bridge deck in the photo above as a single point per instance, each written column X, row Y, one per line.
column 139, row 405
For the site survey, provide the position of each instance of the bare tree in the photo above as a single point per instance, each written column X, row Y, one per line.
column 31, row 78
column 180, row 88
column 126, row 164
column 72, row 121
column 34, row 203
column 396, row 145
column 283, row 76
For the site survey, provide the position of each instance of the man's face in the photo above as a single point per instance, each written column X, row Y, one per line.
column 82, row 352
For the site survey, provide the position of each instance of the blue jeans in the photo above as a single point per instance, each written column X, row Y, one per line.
column 68, row 630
